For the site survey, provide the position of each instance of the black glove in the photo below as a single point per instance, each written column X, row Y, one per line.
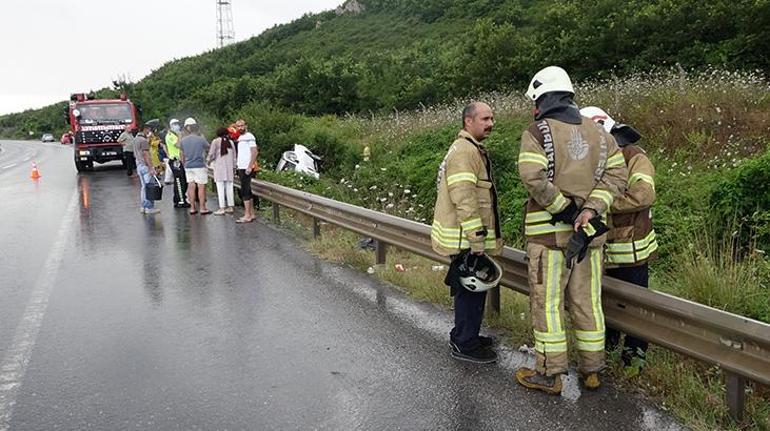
column 577, row 247
column 567, row 215
column 580, row 240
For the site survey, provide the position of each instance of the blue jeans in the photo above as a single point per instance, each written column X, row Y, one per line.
column 144, row 178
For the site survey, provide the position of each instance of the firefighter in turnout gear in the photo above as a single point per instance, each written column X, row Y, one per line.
column 466, row 221
column 631, row 242
column 573, row 171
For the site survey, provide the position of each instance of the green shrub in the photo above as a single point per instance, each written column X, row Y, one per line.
column 742, row 199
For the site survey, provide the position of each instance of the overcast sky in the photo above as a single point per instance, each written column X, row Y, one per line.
column 51, row 48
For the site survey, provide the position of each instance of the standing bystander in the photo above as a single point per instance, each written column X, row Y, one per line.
column 126, row 139
column 144, row 167
column 247, row 157
column 222, row 154
column 193, row 152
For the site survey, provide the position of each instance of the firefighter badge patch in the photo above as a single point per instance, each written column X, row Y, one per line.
column 578, row 147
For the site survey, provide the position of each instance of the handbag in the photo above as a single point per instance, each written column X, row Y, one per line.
column 154, row 190
column 168, row 176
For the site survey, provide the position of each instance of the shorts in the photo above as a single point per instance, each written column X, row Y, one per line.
column 197, row 176
column 245, row 180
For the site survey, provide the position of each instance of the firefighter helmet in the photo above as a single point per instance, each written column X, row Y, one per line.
column 548, row 80
column 623, row 133
column 479, row 273
column 599, row 116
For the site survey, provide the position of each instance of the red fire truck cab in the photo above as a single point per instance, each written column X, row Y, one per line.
column 96, row 125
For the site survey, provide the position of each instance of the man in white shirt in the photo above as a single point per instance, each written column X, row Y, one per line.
column 246, row 163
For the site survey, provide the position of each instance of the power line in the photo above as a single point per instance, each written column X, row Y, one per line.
column 225, row 32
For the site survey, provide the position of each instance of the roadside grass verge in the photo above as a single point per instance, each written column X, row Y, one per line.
column 690, row 390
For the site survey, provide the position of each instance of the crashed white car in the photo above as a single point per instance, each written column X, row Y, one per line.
column 299, row 160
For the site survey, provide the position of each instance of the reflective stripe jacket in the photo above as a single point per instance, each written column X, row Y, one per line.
column 171, row 148
column 631, row 240
column 560, row 161
column 465, row 215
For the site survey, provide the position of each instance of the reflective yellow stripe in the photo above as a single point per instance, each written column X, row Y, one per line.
column 542, row 229
column 550, row 337
column 596, row 288
column 553, row 291
column 641, row 177
column 538, row 216
column 533, row 158
column 462, row 176
column 620, row 248
column 590, row 346
column 589, row 229
column 447, row 237
column 644, row 254
column 558, row 204
column 604, row 195
column 616, row 160
column 627, row 247
column 550, row 347
column 589, row 335
column 449, row 230
column 471, row 224
column 450, row 237
column 455, row 242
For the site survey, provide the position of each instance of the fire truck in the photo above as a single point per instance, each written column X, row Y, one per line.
column 96, row 125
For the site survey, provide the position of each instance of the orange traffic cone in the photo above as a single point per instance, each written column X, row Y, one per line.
column 35, row 172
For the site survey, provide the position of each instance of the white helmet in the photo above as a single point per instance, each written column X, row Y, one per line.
column 550, row 79
column 623, row 133
column 599, row 116
column 479, row 273
column 190, row 121
column 173, row 121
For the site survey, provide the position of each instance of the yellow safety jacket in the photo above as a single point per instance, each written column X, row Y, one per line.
column 171, row 149
column 559, row 161
column 631, row 240
column 465, row 215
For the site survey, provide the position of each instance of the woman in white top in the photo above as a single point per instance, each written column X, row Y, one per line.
column 222, row 154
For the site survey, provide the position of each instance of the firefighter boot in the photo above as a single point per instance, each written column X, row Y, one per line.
column 591, row 381
column 530, row 378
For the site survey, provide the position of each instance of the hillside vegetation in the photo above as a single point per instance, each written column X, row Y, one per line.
column 404, row 54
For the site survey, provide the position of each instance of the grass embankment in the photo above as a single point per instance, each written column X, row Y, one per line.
column 708, row 137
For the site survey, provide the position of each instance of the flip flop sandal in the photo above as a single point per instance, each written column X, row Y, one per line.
column 207, row 212
column 193, row 212
column 241, row 220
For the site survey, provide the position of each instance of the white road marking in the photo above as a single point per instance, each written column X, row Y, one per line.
column 16, row 359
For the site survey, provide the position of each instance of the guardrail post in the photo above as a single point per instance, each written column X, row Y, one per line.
column 381, row 251
column 493, row 300
column 276, row 213
column 316, row 228
column 736, row 395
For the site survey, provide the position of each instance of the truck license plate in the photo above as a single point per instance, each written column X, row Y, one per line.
column 110, row 153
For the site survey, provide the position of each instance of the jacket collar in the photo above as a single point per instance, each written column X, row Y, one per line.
column 465, row 135
column 559, row 106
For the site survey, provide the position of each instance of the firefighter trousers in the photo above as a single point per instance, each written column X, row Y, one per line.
column 553, row 288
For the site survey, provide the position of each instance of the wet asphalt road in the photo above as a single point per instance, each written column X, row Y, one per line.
column 111, row 320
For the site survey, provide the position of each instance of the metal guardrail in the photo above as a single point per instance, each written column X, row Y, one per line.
column 738, row 345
